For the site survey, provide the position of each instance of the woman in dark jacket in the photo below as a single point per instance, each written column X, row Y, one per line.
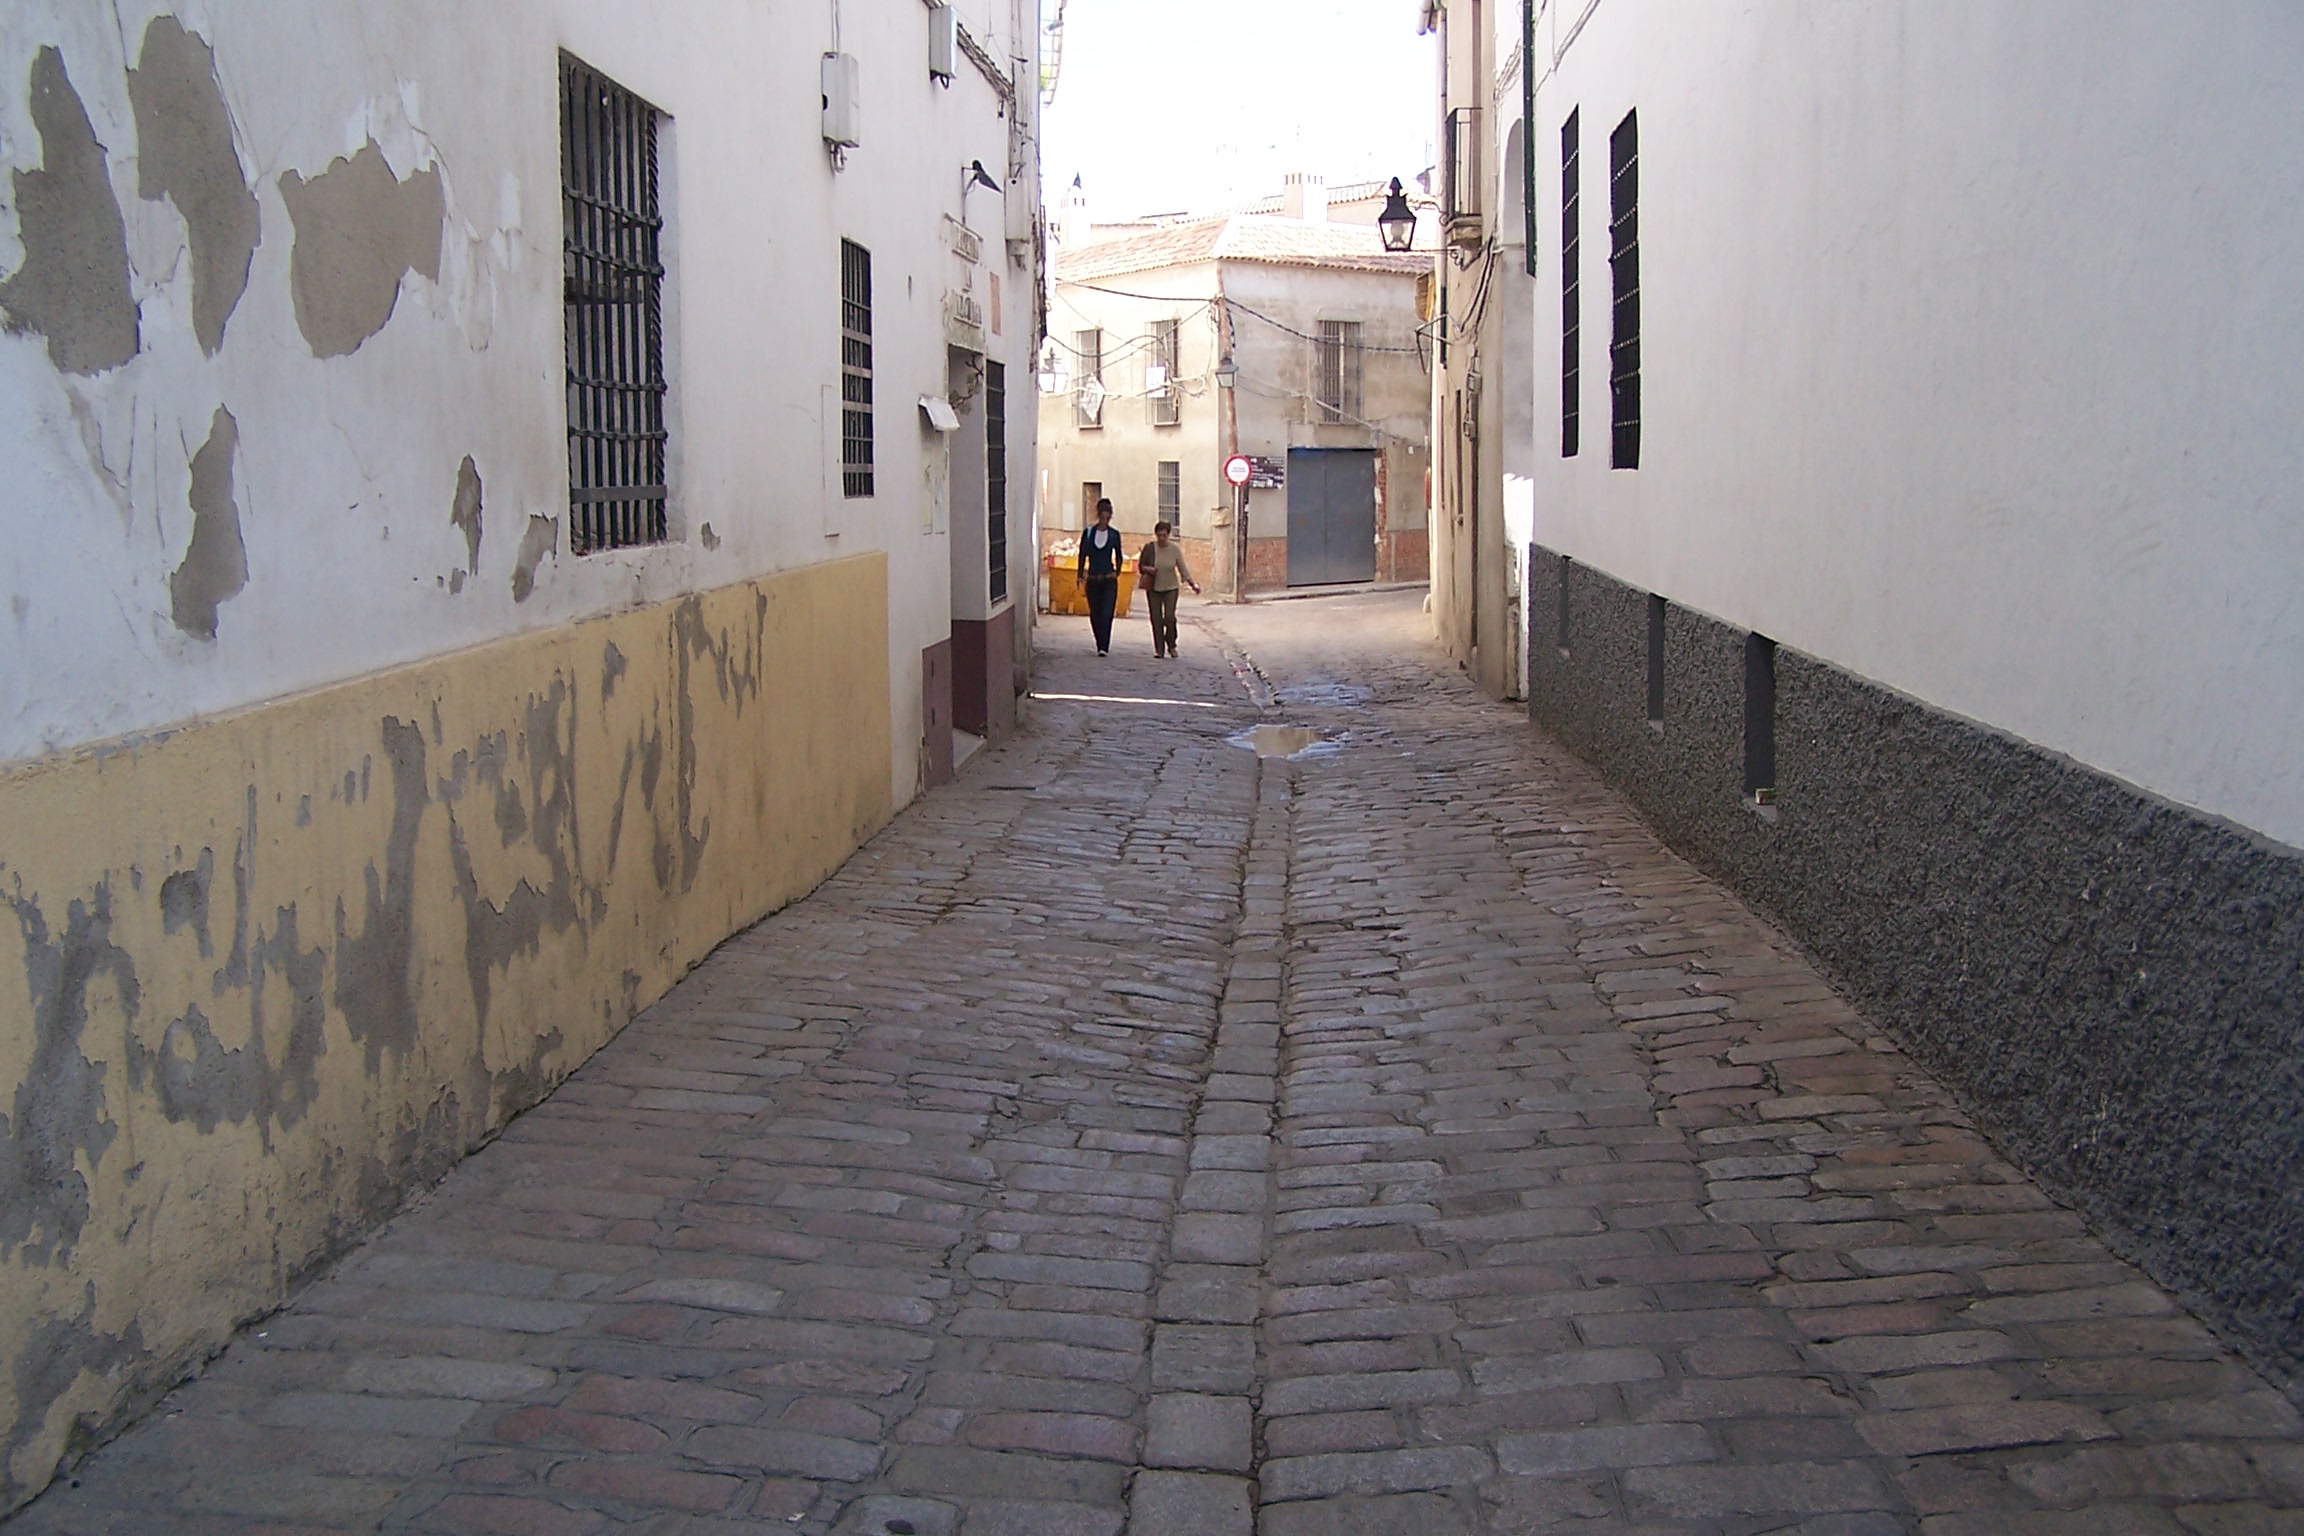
column 1100, row 574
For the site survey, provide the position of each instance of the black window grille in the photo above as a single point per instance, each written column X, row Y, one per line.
column 1571, row 291
column 1171, row 492
column 1167, row 401
column 1338, row 354
column 855, row 369
column 614, row 307
column 996, row 476
column 1624, row 270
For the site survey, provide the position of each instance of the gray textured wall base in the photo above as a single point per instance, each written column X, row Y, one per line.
column 2113, row 984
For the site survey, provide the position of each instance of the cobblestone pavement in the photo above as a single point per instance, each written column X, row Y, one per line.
column 1142, row 1136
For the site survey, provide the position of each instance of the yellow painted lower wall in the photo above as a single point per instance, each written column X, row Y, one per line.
column 282, row 967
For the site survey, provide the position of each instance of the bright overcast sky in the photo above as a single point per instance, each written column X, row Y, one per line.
column 1165, row 105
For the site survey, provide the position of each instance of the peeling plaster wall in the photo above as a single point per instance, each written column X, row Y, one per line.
column 72, row 286
column 344, row 937
column 342, row 808
column 184, row 133
column 392, row 190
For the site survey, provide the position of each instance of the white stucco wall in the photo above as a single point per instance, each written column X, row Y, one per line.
column 1972, row 348
column 347, row 466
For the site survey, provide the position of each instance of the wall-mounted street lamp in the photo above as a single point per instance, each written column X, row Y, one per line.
column 972, row 176
column 1397, row 221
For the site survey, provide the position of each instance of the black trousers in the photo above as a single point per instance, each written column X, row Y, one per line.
column 1164, row 618
column 1103, row 597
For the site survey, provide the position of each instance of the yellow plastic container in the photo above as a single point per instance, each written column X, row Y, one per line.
column 1066, row 595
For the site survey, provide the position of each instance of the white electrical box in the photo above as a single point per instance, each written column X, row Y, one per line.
column 943, row 42
column 841, row 89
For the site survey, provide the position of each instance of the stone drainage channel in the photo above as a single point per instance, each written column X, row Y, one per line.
column 1200, row 1430
column 1200, row 1424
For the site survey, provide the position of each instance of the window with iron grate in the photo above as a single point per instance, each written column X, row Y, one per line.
column 1088, row 392
column 855, row 369
column 1571, row 290
column 1166, row 402
column 1171, row 492
column 1624, row 272
column 613, row 305
column 1337, row 368
column 996, row 477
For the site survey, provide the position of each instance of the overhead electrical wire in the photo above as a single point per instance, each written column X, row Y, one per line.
column 1280, row 325
column 1284, row 393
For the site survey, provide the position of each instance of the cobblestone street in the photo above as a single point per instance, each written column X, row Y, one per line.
column 1145, row 1136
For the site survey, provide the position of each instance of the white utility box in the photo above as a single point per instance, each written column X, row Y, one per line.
column 841, row 108
column 943, row 42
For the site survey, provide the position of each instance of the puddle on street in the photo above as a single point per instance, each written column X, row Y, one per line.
column 1277, row 740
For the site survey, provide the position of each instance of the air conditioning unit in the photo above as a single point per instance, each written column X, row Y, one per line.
column 842, row 93
column 943, row 42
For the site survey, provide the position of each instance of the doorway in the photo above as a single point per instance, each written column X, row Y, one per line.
column 1331, row 516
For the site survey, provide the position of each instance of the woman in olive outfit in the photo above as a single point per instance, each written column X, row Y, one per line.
column 1100, row 574
column 1164, row 570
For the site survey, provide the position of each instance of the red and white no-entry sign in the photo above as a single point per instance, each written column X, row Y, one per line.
column 1238, row 469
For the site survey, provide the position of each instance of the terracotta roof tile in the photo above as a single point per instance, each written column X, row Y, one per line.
column 1175, row 245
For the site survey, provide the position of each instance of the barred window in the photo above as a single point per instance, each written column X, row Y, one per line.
column 1088, row 390
column 1571, row 293
column 1337, row 355
column 1624, row 268
column 613, row 306
column 1171, row 492
column 996, row 476
column 1166, row 401
column 855, row 369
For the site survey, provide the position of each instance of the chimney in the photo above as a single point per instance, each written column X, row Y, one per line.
column 1304, row 195
column 1072, row 230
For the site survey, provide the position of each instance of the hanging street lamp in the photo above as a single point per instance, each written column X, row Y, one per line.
column 1397, row 221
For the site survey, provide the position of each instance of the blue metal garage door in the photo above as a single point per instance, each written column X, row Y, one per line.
column 1331, row 515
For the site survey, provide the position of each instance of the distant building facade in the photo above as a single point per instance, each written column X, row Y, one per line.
column 1330, row 393
column 474, row 541
column 1903, row 420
